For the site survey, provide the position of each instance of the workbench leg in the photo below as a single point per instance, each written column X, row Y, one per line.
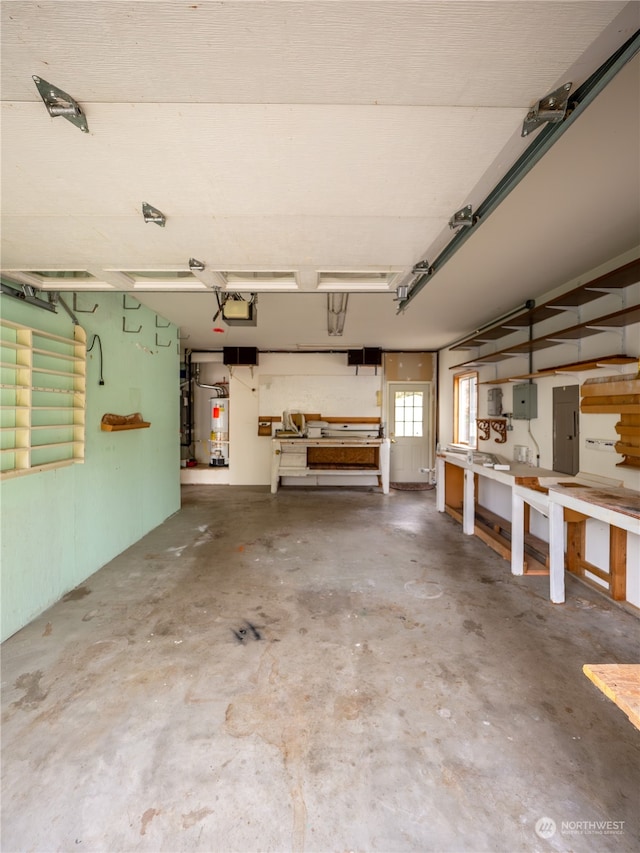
column 469, row 504
column 384, row 457
column 556, row 553
column 440, row 485
column 517, row 534
column 618, row 563
column 275, row 468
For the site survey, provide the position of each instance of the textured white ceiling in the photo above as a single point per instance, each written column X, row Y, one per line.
column 311, row 136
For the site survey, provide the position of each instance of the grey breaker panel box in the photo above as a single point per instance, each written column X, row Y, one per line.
column 525, row 402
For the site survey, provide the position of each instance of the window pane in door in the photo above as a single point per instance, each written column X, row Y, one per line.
column 408, row 413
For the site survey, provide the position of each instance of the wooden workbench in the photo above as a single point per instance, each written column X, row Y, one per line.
column 338, row 456
column 620, row 683
column 617, row 507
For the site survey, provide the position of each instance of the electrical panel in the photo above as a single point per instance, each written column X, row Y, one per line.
column 494, row 401
column 240, row 356
column 370, row 356
column 525, row 401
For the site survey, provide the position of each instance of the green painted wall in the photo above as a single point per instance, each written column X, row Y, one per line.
column 58, row 527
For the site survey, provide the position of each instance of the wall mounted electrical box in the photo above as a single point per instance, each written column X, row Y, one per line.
column 494, row 401
column 525, row 401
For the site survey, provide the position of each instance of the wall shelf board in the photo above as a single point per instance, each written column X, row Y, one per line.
column 605, row 363
column 617, row 279
column 119, row 427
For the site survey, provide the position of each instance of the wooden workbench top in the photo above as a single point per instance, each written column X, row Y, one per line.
column 620, row 683
column 625, row 501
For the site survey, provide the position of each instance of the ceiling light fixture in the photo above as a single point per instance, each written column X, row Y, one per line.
column 337, row 304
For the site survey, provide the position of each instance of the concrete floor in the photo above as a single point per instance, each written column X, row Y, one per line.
column 318, row 670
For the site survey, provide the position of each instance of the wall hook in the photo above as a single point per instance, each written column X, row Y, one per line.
column 158, row 344
column 130, row 307
column 129, row 331
column 161, row 325
column 82, row 310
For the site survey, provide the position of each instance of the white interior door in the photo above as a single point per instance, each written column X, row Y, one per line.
column 410, row 419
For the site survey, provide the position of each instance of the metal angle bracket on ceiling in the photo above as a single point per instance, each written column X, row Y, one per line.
column 421, row 268
column 59, row 103
column 551, row 108
column 152, row 214
column 462, row 217
column 584, row 95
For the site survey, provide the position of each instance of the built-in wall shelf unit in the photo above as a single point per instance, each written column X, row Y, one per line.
column 42, row 399
column 612, row 362
column 567, row 304
column 617, row 279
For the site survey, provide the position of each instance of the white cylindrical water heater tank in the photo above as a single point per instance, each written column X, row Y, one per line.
column 219, row 440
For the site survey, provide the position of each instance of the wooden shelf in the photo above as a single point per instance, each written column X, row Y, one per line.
column 572, row 367
column 617, row 396
column 615, row 280
column 615, row 320
column 119, row 427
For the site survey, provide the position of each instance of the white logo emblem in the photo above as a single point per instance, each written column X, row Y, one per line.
column 545, row 827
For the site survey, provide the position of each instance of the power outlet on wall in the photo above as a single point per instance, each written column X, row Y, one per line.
column 600, row 443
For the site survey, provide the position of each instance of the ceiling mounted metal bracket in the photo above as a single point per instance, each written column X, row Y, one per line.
column 59, row 103
column 421, row 268
column 462, row 217
column 196, row 265
column 152, row 214
column 552, row 108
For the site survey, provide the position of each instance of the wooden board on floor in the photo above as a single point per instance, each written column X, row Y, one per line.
column 620, row 683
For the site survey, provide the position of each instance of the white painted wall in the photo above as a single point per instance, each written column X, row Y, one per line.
column 319, row 382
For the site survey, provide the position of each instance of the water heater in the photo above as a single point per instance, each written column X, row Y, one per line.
column 219, row 440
